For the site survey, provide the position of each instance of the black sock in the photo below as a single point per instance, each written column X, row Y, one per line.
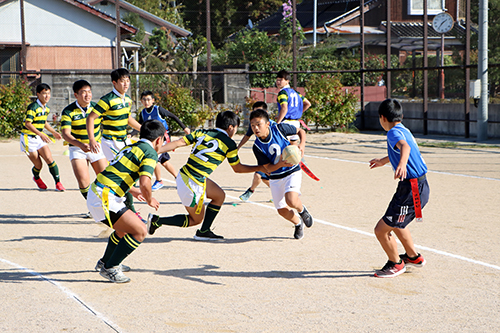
column 36, row 172
column 125, row 247
column 176, row 220
column 85, row 191
column 210, row 214
column 54, row 171
column 112, row 243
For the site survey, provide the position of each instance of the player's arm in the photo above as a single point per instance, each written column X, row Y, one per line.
column 169, row 114
column 147, row 194
column 306, row 104
column 66, row 134
column 302, row 136
column 133, row 123
column 283, row 111
column 404, row 148
column 243, row 168
column 94, row 145
column 53, row 131
column 243, row 141
column 29, row 125
column 172, row 145
column 378, row 162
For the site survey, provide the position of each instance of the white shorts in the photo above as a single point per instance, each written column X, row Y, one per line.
column 279, row 187
column 76, row 153
column 189, row 191
column 29, row 144
column 95, row 205
column 295, row 123
column 111, row 147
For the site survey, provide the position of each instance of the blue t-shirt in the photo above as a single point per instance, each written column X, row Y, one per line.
column 416, row 166
column 295, row 103
column 268, row 151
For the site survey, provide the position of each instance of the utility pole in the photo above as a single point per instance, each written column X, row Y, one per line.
column 482, row 72
column 23, row 39
column 209, row 57
column 118, row 35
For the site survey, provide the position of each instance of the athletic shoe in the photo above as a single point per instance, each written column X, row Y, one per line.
column 114, row 274
column 139, row 216
column 60, row 187
column 391, row 269
column 88, row 215
column 419, row 261
column 207, row 236
column 100, row 264
column 245, row 196
column 157, row 185
column 151, row 225
column 299, row 230
column 306, row 217
column 39, row 182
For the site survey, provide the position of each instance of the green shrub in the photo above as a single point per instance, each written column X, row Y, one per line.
column 14, row 99
column 330, row 105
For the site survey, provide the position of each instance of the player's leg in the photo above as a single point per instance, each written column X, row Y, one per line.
column 278, row 187
column 217, row 196
column 394, row 266
column 266, row 181
column 158, row 184
column 255, row 182
column 81, row 172
column 293, row 183
column 170, row 168
column 99, row 165
column 46, row 154
column 411, row 256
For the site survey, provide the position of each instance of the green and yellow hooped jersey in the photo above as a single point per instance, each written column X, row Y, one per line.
column 210, row 150
column 114, row 112
column 37, row 116
column 133, row 161
column 76, row 119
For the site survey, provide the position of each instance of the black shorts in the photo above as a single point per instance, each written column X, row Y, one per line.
column 163, row 158
column 401, row 210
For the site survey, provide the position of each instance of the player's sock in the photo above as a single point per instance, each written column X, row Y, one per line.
column 85, row 191
column 210, row 214
column 176, row 220
column 129, row 201
column 125, row 247
column 112, row 243
column 54, row 171
column 36, row 172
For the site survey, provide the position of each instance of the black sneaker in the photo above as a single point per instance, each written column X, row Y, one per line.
column 306, row 217
column 299, row 230
column 151, row 225
column 207, row 236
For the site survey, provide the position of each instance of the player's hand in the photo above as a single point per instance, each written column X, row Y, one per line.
column 57, row 136
column 45, row 138
column 85, row 147
column 154, row 203
column 95, row 147
column 375, row 163
column 282, row 163
column 140, row 197
column 400, row 173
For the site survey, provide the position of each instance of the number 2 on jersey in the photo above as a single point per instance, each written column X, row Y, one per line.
column 212, row 146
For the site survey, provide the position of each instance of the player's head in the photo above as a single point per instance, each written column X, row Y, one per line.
column 121, row 79
column 43, row 93
column 391, row 109
column 282, row 79
column 83, row 92
column 259, row 105
column 147, row 98
column 154, row 131
column 228, row 121
column 259, row 122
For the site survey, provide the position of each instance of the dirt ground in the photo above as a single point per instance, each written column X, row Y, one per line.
column 260, row 279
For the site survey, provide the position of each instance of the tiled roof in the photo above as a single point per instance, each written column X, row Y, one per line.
column 416, row 30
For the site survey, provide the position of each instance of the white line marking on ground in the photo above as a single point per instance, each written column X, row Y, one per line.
column 68, row 293
column 388, row 166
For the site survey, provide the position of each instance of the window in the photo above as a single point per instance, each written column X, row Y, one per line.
column 416, row 7
column 9, row 62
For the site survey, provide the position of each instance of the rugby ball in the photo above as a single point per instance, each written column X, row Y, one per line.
column 291, row 154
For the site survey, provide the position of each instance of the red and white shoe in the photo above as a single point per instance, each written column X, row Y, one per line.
column 39, row 182
column 391, row 269
column 419, row 261
column 60, row 187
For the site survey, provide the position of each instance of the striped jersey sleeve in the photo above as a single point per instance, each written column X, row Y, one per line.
column 75, row 119
column 36, row 116
column 114, row 112
column 210, row 149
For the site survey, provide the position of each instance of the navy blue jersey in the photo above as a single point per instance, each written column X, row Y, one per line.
column 416, row 166
column 268, row 150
